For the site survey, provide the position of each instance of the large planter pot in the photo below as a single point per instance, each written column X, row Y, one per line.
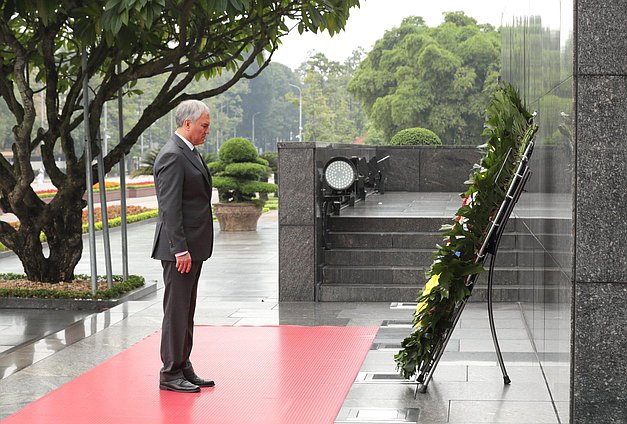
column 237, row 216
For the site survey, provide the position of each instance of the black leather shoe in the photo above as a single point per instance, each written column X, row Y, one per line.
column 179, row 385
column 194, row 379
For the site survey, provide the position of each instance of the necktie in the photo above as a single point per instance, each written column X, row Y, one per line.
column 197, row 153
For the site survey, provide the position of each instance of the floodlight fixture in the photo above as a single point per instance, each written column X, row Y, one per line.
column 340, row 173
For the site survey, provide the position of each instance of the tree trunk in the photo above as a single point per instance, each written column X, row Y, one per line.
column 63, row 229
column 263, row 196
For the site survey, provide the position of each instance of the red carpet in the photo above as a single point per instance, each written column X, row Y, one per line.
column 264, row 375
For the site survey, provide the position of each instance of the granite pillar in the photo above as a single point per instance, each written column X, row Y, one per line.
column 297, row 247
column 600, row 272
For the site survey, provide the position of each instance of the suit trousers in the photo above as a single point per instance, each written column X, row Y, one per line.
column 177, row 330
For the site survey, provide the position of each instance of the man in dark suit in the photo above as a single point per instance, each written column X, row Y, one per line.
column 183, row 240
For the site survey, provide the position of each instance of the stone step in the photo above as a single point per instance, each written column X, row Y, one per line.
column 377, row 257
column 366, row 293
column 433, row 224
column 424, row 257
column 542, row 225
column 392, row 239
column 386, row 258
column 343, row 274
column 405, row 293
column 415, row 275
column 384, row 224
column 429, row 240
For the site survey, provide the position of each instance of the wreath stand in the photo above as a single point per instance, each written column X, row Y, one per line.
column 489, row 247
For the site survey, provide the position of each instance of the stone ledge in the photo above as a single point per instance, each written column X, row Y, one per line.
column 76, row 304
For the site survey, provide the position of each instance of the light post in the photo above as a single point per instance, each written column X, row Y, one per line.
column 253, row 138
column 300, row 111
column 106, row 131
column 141, row 137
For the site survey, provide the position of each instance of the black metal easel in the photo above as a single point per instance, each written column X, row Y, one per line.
column 489, row 247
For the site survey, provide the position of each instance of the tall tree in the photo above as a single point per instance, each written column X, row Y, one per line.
column 179, row 39
column 275, row 116
column 437, row 78
column 332, row 114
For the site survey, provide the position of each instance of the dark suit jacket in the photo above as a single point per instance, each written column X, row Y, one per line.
column 183, row 187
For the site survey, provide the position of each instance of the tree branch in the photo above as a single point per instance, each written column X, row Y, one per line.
column 7, row 235
column 7, row 89
column 21, row 147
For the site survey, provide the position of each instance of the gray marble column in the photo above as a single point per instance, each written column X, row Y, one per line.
column 600, row 272
column 297, row 267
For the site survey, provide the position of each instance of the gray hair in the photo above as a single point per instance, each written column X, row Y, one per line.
column 189, row 109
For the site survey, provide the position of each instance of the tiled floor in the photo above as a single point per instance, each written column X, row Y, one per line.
column 239, row 287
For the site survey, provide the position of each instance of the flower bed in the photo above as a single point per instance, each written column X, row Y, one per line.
column 115, row 212
column 141, row 184
column 16, row 285
column 271, row 204
column 138, row 189
column 108, row 185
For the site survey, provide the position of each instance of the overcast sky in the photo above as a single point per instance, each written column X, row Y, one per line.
column 368, row 23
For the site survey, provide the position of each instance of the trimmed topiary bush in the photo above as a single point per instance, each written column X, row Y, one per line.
column 416, row 136
column 237, row 149
column 238, row 172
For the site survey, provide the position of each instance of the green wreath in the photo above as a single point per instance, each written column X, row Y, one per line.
column 509, row 128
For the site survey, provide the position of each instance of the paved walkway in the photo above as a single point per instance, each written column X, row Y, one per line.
column 238, row 286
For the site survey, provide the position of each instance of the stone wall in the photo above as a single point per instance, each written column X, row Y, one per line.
column 297, row 220
column 444, row 168
column 600, row 272
column 409, row 168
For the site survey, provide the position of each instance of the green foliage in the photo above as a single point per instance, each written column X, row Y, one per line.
column 209, row 157
column 238, row 172
column 509, row 129
column 116, row 222
column 273, row 160
column 224, row 183
column 148, row 162
column 251, row 188
column 331, row 113
column 271, row 99
column 216, row 166
column 271, row 204
column 374, row 136
column 247, row 170
column 459, row 19
column 415, row 136
column 438, row 78
column 237, row 149
column 119, row 288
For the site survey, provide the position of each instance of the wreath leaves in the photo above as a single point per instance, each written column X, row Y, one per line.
column 509, row 128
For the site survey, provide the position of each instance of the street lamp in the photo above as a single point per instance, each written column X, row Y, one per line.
column 256, row 113
column 300, row 111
